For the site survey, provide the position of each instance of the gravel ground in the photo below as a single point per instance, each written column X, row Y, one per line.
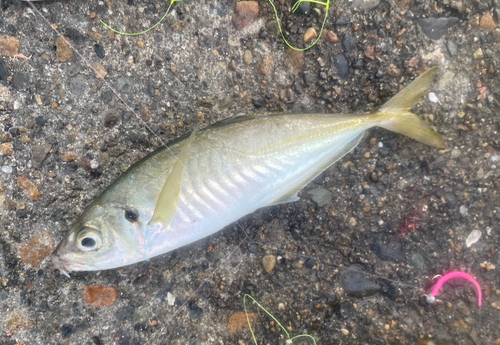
column 354, row 256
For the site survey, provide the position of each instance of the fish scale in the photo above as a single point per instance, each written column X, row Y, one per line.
column 219, row 175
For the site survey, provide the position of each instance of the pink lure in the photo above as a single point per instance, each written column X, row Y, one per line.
column 432, row 297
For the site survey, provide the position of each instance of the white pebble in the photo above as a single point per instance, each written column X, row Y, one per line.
column 94, row 164
column 473, row 237
column 7, row 169
column 380, row 144
column 45, row 10
column 433, row 98
column 170, row 299
column 464, row 211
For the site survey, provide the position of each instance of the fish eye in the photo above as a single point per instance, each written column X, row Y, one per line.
column 88, row 239
column 131, row 216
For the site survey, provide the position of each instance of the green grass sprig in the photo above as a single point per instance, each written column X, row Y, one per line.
column 294, row 8
column 289, row 340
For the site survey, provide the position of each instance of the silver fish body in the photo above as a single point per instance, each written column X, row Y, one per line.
column 232, row 170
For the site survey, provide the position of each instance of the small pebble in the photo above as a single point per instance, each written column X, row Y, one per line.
column 331, row 37
column 69, row 157
column 269, row 263
column 248, row 57
column 30, row 188
column 464, row 211
column 478, row 54
column 7, row 169
column 369, row 53
column 99, row 50
column 310, row 34
column 473, row 237
column 487, row 22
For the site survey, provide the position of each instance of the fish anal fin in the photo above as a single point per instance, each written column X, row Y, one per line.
column 292, row 195
column 289, row 197
column 167, row 203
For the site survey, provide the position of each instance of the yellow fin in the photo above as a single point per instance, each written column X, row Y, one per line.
column 406, row 98
column 169, row 196
column 395, row 115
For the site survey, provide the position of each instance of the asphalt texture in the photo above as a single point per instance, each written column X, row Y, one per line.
column 350, row 262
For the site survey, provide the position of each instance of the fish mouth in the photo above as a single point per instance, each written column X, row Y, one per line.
column 63, row 265
column 60, row 264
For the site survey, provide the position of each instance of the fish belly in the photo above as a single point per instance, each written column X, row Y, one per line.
column 238, row 169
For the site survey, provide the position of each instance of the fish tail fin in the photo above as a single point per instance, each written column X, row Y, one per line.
column 396, row 115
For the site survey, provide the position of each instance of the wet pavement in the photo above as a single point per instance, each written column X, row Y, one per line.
column 348, row 264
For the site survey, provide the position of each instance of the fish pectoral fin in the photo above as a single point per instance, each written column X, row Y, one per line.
column 289, row 197
column 167, row 203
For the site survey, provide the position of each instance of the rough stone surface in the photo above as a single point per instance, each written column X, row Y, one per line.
column 99, row 296
column 246, row 12
column 9, row 46
column 63, row 50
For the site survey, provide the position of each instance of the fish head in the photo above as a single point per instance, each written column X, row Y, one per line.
column 105, row 236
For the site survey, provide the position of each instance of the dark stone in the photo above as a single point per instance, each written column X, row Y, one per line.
column 40, row 121
column 341, row 65
column 130, row 2
column 66, row 330
column 310, row 78
column 20, row 80
column 387, row 248
column 258, row 103
column 252, row 248
column 345, row 310
column 95, row 173
column 435, row 28
column 356, row 284
column 4, row 72
column 139, row 327
column 14, row 131
column 263, row 34
column 303, row 8
column 99, row 50
column 196, row 311
column 124, row 313
column 96, row 340
column 348, row 42
column 111, row 119
column 343, row 20
column 205, row 265
column 310, row 263
column 295, row 234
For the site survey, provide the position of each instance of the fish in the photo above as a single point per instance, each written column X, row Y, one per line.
column 199, row 184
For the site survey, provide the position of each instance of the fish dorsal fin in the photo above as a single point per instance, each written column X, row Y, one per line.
column 235, row 119
column 169, row 196
column 291, row 195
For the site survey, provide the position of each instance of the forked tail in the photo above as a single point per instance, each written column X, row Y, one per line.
column 395, row 115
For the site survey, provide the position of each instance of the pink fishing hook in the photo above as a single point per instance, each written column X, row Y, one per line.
column 431, row 298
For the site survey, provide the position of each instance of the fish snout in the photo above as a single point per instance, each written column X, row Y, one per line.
column 58, row 262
